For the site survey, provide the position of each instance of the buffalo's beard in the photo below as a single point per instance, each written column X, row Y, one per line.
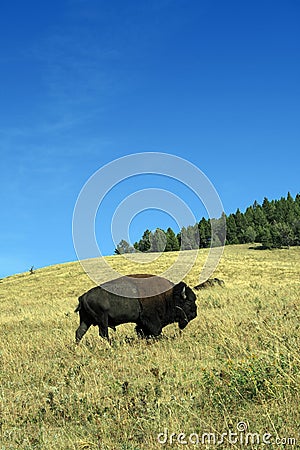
column 182, row 324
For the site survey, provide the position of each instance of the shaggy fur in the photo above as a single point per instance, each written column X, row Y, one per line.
column 149, row 301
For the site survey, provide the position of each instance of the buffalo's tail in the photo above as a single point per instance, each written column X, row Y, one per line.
column 78, row 308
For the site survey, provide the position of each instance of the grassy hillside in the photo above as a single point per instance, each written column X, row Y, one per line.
column 237, row 362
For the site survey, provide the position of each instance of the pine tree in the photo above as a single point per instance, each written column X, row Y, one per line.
column 241, row 225
column 231, row 231
column 185, row 244
column 265, row 237
column 249, row 215
column 218, row 231
column 124, row 247
column 158, row 241
column 204, row 233
column 144, row 244
column 249, row 235
column 282, row 235
column 172, row 243
column 259, row 217
column 189, row 237
column 275, row 223
column 269, row 209
column 193, row 235
column 296, row 231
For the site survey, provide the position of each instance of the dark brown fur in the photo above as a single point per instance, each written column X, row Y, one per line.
column 149, row 301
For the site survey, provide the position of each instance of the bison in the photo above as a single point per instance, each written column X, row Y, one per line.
column 149, row 301
column 210, row 283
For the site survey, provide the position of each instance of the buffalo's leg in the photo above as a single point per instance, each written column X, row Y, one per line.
column 103, row 326
column 148, row 328
column 154, row 331
column 81, row 330
column 154, row 327
column 139, row 331
column 84, row 324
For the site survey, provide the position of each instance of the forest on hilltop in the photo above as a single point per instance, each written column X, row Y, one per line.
column 273, row 224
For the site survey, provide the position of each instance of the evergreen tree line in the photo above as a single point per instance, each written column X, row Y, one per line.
column 273, row 224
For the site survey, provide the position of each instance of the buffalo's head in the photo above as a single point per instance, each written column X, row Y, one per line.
column 185, row 304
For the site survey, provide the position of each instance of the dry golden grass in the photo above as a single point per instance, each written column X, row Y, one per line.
column 238, row 361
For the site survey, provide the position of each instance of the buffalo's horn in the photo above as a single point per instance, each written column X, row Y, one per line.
column 183, row 294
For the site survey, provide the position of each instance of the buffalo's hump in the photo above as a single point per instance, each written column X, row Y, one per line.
column 138, row 286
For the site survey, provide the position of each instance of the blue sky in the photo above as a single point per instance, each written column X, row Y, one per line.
column 85, row 82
